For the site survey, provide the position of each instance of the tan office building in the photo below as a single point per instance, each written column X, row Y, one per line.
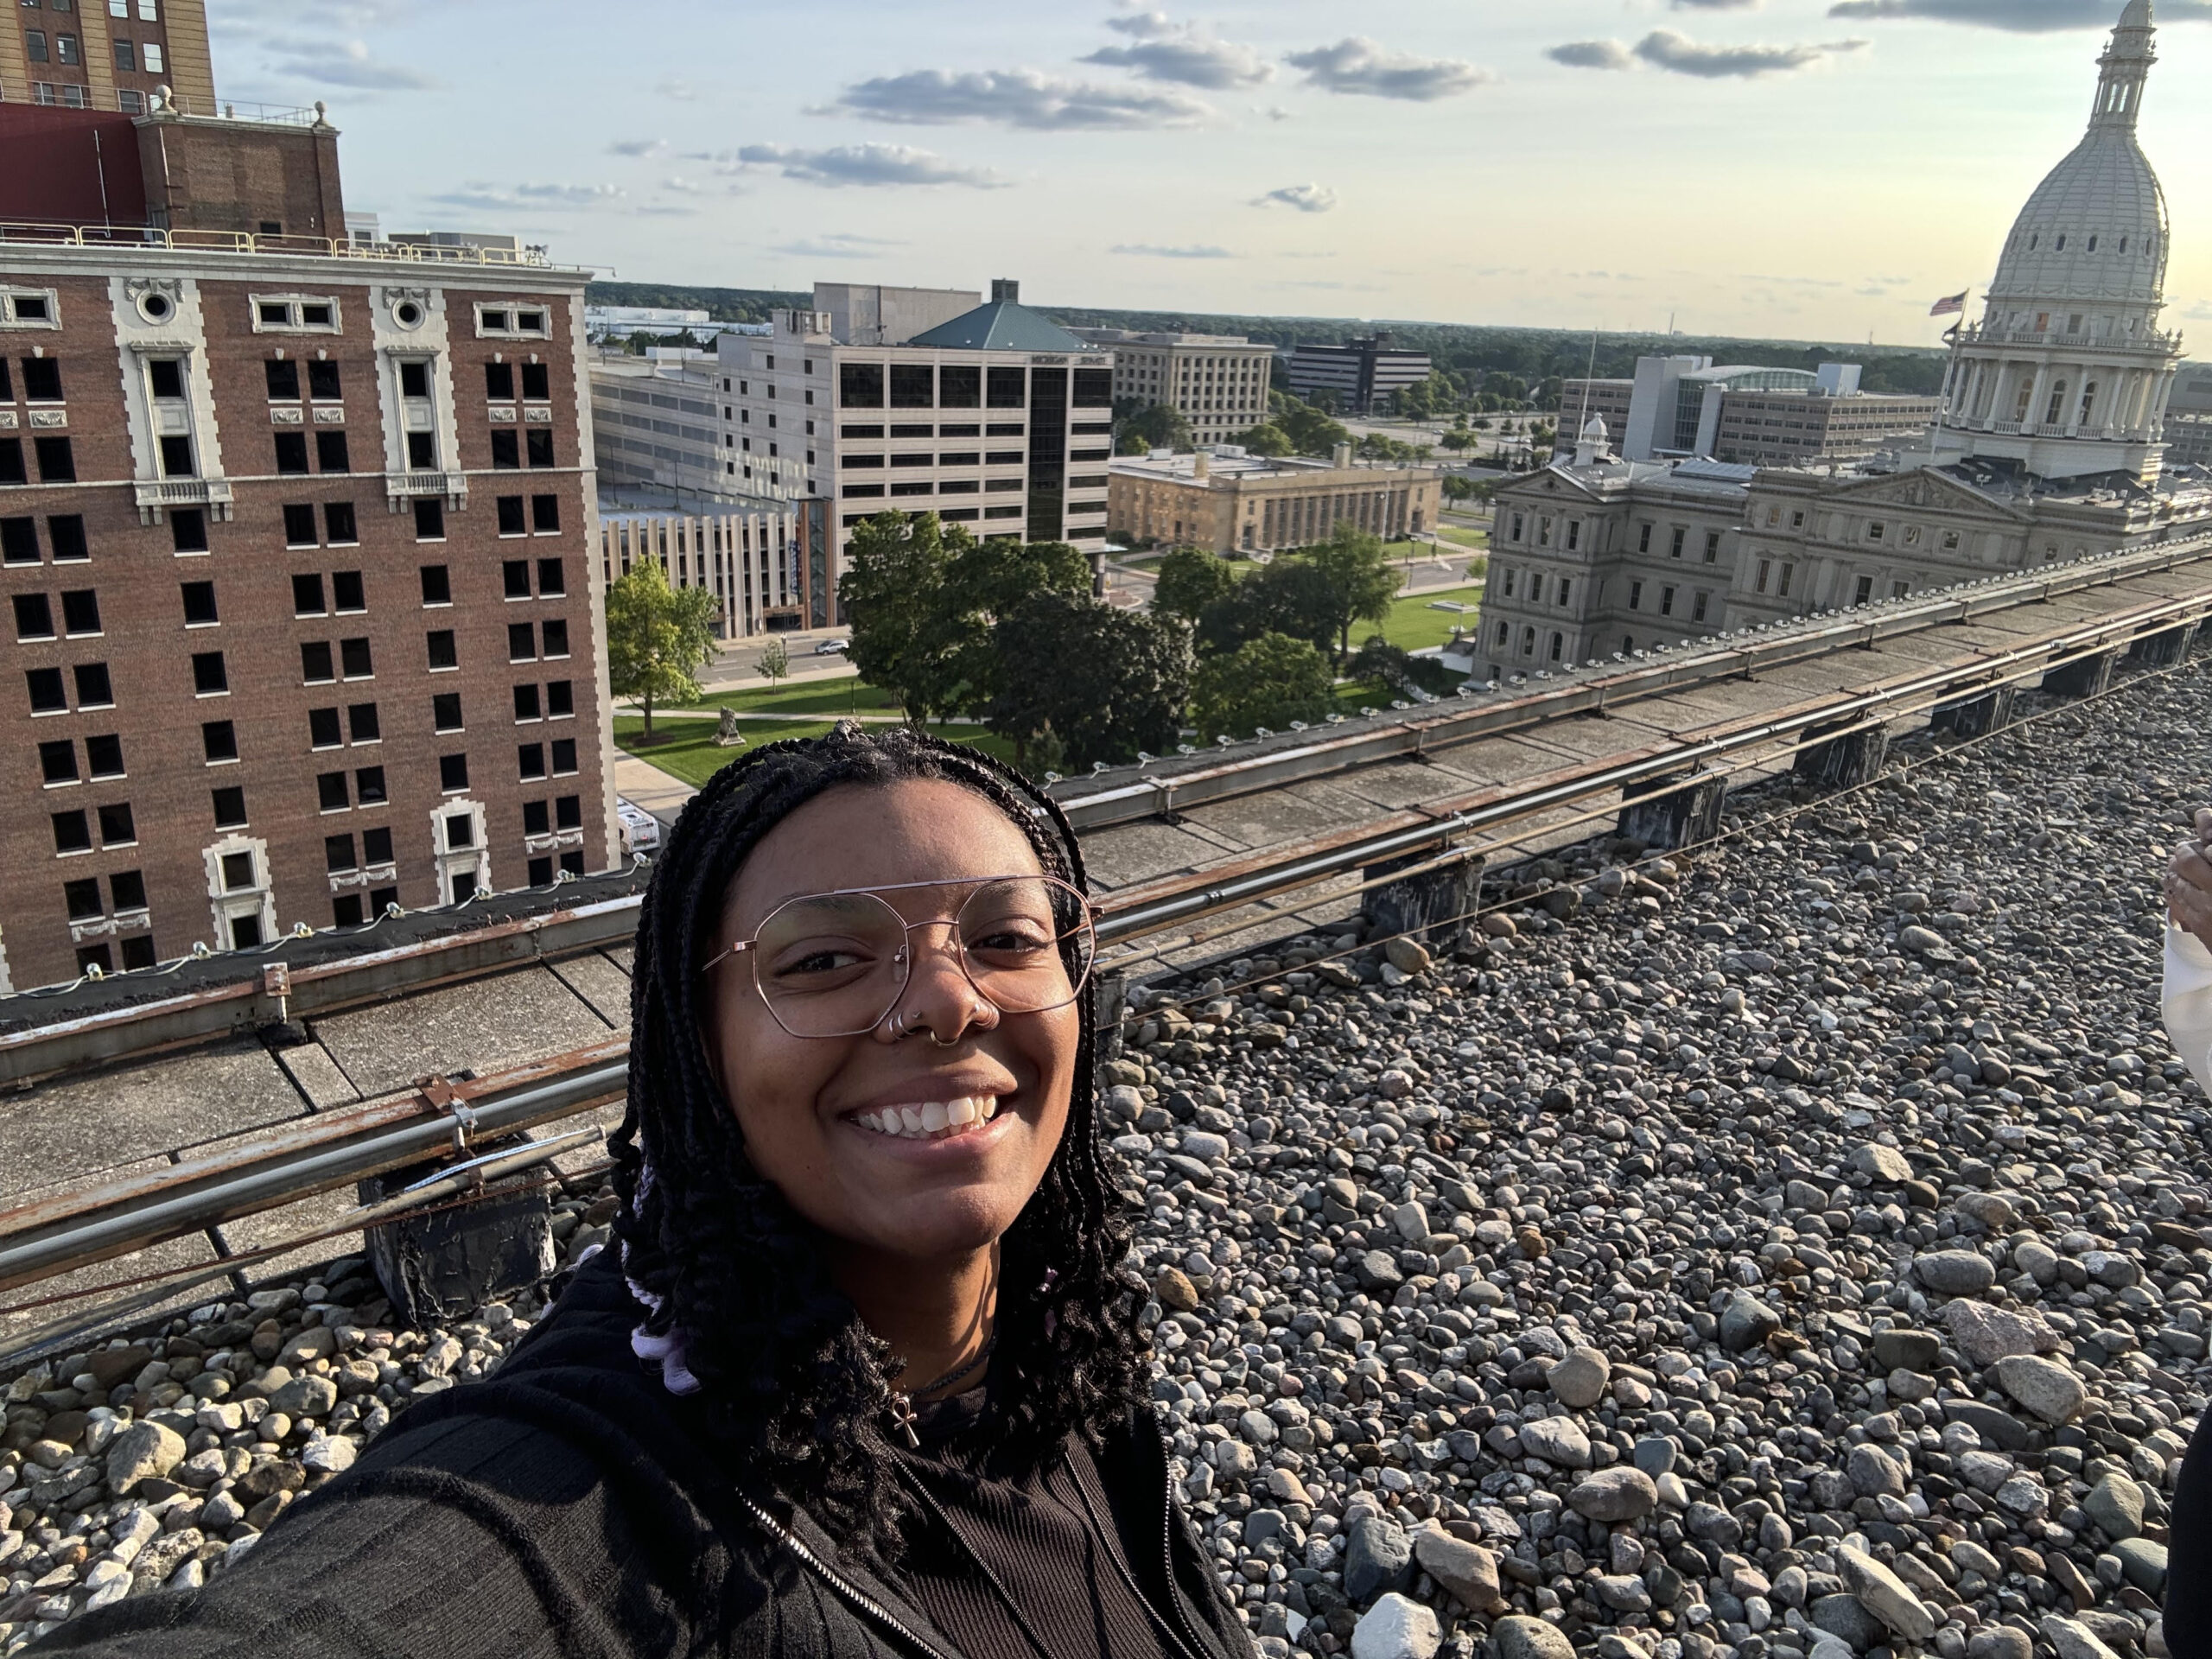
column 1218, row 382
column 1785, row 429
column 1235, row 503
column 107, row 54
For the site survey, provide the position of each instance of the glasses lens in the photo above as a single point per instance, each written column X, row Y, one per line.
column 1027, row 943
column 831, row 966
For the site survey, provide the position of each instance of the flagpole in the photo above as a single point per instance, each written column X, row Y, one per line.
column 1952, row 334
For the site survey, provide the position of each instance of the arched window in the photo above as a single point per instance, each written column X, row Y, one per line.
column 2060, row 247
column 2092, row 244
column 2123, row 245
column 2057, row 411
column 1504, row 632
column 1628, row 642
column 2088, row 404
column 2034, row 236
column 1559, row 644
column 1528, row 642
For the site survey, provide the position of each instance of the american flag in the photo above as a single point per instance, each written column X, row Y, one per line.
column 1954, row 307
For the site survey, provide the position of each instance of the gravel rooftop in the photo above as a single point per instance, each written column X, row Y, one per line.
column 1791, row 1249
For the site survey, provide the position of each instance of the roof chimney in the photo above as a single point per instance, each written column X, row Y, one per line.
column 1005, row 291
column 1202, row 466
column 1341, row 456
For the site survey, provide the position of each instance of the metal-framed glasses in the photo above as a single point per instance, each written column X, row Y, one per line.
column 834, row 964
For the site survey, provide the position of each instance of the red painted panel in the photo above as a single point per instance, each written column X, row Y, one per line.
column 78, row 167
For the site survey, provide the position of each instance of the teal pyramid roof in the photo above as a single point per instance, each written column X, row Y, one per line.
column 1002, row 326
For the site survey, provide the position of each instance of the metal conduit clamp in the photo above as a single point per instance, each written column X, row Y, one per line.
column 438, row 1093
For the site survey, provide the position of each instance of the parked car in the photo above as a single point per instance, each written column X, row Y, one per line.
column 640, row 830
column 832, row 648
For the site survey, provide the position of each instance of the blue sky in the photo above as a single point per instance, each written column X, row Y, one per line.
column 1794, row 168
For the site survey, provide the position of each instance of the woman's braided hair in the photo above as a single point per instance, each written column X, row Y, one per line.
column 793, row 1385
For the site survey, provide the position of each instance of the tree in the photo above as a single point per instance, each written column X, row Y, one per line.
column 1360, row 582
column 1457, row 488
column 657, row 639
column 1269, row 681
column 1290, row 597
column 1094, row 682
column 1310, row 430
column 922, row 600
column 1266, row 439
column 988, row 580
column 775, row 661
column 893, row 595
column 1151, row 426
column 1189, row 581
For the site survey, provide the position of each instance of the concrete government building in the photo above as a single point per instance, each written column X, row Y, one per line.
column 1216, row 382
column 989, row 415
column 2050, row 446
column 1228, row 502
column 298, row 540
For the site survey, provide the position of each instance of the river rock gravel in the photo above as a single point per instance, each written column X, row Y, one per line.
column 1792, row 1249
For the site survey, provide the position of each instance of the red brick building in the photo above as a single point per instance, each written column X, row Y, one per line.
column 299, row 555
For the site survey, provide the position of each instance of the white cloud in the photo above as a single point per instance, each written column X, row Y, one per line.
column 1356, row 65
column 2019, row 16
column 1306, row 198
column 1149, row 251
column 838, row 246
column 1183, row 54
column 1666, row 48
column 491, row 198
column 864, row 164
column 345, row 63
column 1015, row 98
column 1593, row 54
column 634, row 148
column 1680, row 55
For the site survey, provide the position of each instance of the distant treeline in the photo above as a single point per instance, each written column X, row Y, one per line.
column 1463, row 352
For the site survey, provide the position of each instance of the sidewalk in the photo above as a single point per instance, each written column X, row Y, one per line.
column 642, row 784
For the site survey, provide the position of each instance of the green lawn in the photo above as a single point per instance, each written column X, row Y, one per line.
column 1473, row 539
column 820, row 697
column 1413, row 626
column 687, row 750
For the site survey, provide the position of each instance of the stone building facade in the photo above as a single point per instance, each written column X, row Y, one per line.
column 1231, row 503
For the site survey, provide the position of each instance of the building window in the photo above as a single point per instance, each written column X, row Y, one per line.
column 1666, row 602
column 453, row 774
column 230, row 808
column 209, row 678
column 429, row 519
column 1681, row 535
column 1863, row 591
column 1712, row 547
column 219, row 741
column 1766, row 568
column 1782, row 584
column 1697, row 606
column 1636, row 595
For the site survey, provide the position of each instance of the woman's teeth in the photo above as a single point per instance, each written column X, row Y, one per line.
column 936, row 1120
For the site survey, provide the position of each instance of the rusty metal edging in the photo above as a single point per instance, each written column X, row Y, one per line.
column 333, row 1149
column 319, row 990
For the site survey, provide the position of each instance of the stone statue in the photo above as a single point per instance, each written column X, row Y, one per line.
column 727, row 736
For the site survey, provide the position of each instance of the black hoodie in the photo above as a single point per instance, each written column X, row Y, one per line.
column 570, row 1505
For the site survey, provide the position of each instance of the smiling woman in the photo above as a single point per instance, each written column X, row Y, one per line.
column 862, row 1374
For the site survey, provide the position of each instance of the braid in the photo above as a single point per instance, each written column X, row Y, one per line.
column 793, row 1385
